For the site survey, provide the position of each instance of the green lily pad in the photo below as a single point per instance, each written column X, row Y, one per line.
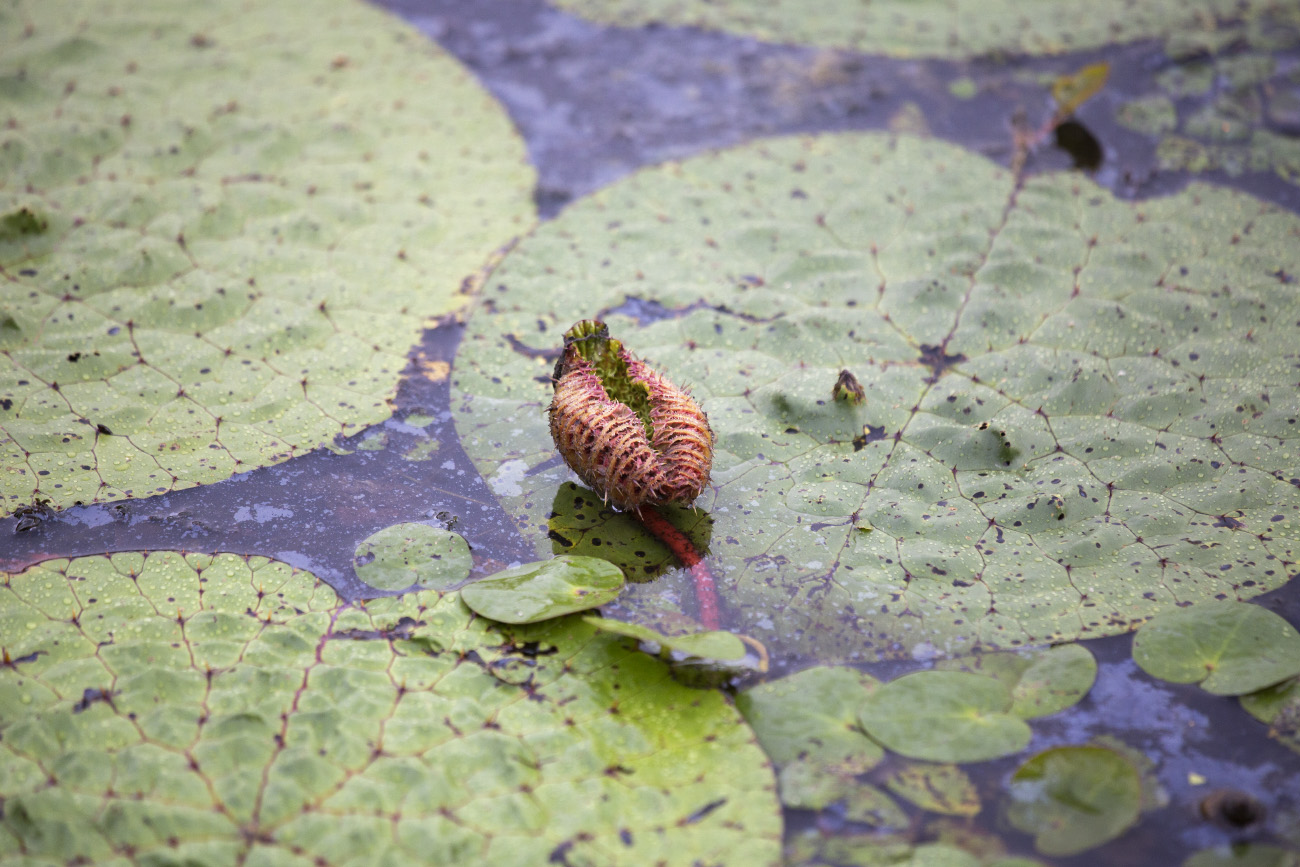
column 942, row 789
column 812, row 715
column 814, row 785
column 1279, row 707
column 720, row 646
column 222, row 227
column 413, row 555
column 543, row 590
column 1267, row 703
column 1050, row 376
column 1042, row 682
column 944, row 716
column 1073, row 799
column 1229, row 648
column 200, row 709
column 957, row 29
column 1244, row 855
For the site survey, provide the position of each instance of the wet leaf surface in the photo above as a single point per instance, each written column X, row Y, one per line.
column 222, row 232
column 1054, row 442
column 545, row 589
column 227, row 709
column 1073, row 799
column 1228, row 648
column 413, row 555
column 944, row 716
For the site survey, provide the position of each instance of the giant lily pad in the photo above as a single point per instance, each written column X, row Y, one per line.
column 944, row 716
column 1227, row 647
column 546, row 589
column 198, row 709
column 957, row 28
column 1069, row 426
column 222, row 226
column 1073, row 799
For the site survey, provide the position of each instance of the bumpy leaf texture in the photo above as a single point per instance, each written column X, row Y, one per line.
column 1079, row 411
column 221, row 229
column 229, row 710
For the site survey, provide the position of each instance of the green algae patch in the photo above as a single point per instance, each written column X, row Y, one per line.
column 1073, row 799
column 961, row 28
column 228, row 709
column 1068, row 425
column 413, row 555
column 222, row 227
column 545, row 589
column 1229, row 648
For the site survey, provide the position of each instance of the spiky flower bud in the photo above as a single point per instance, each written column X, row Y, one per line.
column 631, row 435
column 847, row 389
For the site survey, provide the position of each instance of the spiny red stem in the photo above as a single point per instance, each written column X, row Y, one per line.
column 706, row 594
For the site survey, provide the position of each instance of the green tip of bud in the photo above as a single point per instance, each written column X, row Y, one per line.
column 847, row 389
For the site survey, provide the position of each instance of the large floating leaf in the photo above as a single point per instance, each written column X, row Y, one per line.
column 953, row 29
column 1229, row 648
column 188, row 709
column 222, row 226
column 413, row 555
column 944, row 716
column 546, row 589
column 1074, row 798
column 1070, row 423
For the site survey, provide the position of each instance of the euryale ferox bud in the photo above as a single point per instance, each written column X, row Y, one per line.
column 631, row 435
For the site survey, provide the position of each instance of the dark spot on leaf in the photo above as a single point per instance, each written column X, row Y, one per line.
column 938, row 361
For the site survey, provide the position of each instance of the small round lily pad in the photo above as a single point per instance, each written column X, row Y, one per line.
column 944, row 716
column 719, row 645
column 1042, row 682
column 1074, row 798
column 543, row 590
column 813, row 715
column 413, row 555
column 1230, row 648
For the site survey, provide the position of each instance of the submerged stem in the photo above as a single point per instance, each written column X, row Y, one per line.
column 706, row 593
